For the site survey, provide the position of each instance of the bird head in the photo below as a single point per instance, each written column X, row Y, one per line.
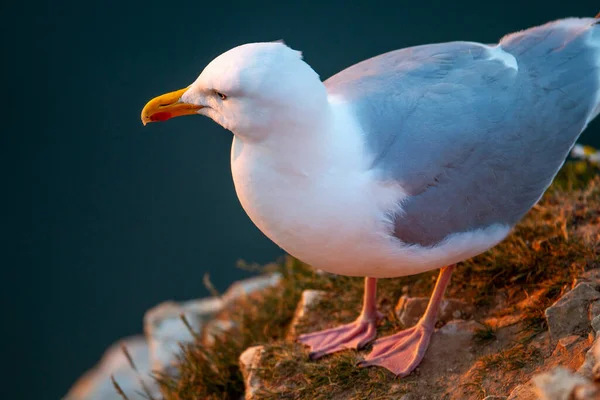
column 251, row 90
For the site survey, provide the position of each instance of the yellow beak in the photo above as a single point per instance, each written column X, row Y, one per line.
column 167, row 106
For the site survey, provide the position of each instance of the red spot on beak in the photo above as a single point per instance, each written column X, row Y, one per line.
column 160, row 116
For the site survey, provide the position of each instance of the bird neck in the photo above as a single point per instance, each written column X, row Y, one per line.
column 327, row 142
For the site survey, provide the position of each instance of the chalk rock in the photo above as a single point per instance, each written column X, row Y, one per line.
column 592, row 359
column 165, row 329
column 410, row 309
column 570, row 351
column 250, row 286
column 165, row 332
column 249, row 361
column 595, row 323
column 308, row 299
column 523, row 392
column 567, row 344
column 587, row 391
column 594, row 315
column 96, row 384
column 569, row 315
column 590, row 276
column 558, row 384
column 215, row 328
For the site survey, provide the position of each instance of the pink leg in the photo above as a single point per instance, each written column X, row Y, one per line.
column 401, row 353
column 350, row 336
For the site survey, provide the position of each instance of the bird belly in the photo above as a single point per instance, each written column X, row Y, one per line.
column 340, row 223
column 331, row 221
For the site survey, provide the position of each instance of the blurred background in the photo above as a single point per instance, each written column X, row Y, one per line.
column 104, row 218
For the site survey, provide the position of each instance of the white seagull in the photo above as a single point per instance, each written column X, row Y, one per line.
column 409, row 161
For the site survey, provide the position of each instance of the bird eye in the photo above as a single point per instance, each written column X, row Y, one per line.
column 221, row 95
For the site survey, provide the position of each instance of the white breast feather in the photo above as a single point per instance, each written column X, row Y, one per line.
column 329, row 210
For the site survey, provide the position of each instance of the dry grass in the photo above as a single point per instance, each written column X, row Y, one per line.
column 544, row 253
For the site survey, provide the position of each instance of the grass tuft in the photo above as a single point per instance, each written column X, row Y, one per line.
column 485, row 335
column 118, row 389
column 515, row 358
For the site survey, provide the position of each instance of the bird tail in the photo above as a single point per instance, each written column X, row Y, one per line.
column 595, row 44
column 563, row 56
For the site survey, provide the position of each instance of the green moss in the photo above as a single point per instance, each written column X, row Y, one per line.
column 288, row 372
column 484, row 335
column 543, row 253
column 514, row 358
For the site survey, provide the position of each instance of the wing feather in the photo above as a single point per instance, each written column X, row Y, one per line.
column 474, row 133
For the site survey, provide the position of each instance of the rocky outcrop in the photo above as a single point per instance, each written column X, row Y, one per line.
column 96, row 384
column 569, row 315
column 556, row 378
column 308, row 299
column 568, row 370
column 167, row 326
column 561, row 383
column 249, row 362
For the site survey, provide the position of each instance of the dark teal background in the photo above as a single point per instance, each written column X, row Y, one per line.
column 104, row 218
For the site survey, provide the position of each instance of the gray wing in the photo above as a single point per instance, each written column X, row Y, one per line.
column 473, row 140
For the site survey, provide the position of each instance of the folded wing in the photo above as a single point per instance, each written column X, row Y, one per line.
column 475, row 133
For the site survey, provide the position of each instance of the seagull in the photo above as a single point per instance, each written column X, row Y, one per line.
column 409, row 161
